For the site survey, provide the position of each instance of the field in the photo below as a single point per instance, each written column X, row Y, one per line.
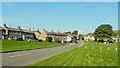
column 90, row 54
column 12, row 45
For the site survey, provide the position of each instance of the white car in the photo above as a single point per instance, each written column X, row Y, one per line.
column 30, row 40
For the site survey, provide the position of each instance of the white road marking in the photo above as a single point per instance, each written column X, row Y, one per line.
column 81, row 45
column 18, row 55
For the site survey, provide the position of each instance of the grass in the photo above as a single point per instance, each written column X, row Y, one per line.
column 85, row 56
column 12, row 45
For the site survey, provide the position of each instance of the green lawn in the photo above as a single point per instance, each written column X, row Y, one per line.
column 12, row 45
column 85, row 56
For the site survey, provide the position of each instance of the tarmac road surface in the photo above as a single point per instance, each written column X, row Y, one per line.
column 23, row 58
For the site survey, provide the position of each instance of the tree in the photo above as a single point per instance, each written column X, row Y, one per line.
column 49, row 39
column 103, row 31
column 81, row 37
column 75, row 32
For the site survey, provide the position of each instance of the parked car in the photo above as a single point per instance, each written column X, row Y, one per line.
column 19, row 39
column 9, row 39
column 39, row 40
column 30, row 40
column 76, row 41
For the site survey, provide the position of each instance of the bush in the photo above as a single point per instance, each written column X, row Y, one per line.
column 101, row 40
column 49, row 39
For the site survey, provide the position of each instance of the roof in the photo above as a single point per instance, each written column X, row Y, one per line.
column 16, row 29
column 2, row 28
column 56, row 33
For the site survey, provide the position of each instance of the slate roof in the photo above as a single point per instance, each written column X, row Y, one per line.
column 16, row 29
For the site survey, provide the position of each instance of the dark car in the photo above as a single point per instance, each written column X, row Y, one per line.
column 19, row 39
column 76, row 42
column 39, row 40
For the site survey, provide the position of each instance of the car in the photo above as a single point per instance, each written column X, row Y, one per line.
column 30, row 40
column 76, row 41
column 39, row 40
column 19, row 39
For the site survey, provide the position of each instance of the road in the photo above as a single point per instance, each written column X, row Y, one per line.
column 23, row 58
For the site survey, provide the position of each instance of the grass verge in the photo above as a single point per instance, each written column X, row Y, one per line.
column 90, row 54
column 12, row 45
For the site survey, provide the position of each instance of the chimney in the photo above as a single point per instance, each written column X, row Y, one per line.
column 58, row 31
column 4, row 25
column 52, row 31
column 29, row 29
column 37, row 30
column 43, row 29
column 33, row 28
column 19, row 27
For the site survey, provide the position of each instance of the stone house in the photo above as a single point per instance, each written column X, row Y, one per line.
column 89, row 37
column 116, row 39
column 15, row 33
column 56, row 36
column 38, row 35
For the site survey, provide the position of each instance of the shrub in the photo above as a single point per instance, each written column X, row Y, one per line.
column 49, row 39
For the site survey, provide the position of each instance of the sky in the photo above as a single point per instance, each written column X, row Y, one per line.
column 60, row 16
column 60, row 0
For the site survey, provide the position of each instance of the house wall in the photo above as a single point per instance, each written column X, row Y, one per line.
column 37, row 35
column 43, row 36
column 116, row 39
column 69, row 39
column 55, row 38
column 10, row 34
column 89, row 38
column 3, row 34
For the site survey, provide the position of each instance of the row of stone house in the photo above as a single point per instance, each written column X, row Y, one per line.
column 15, row 33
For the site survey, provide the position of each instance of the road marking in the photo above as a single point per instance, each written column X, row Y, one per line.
column 19, row 55
column 81, row 44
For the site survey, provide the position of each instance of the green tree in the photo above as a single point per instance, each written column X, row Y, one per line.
column 81, row 37
column 49, row 39
column 75, row 32
column 103, row 31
